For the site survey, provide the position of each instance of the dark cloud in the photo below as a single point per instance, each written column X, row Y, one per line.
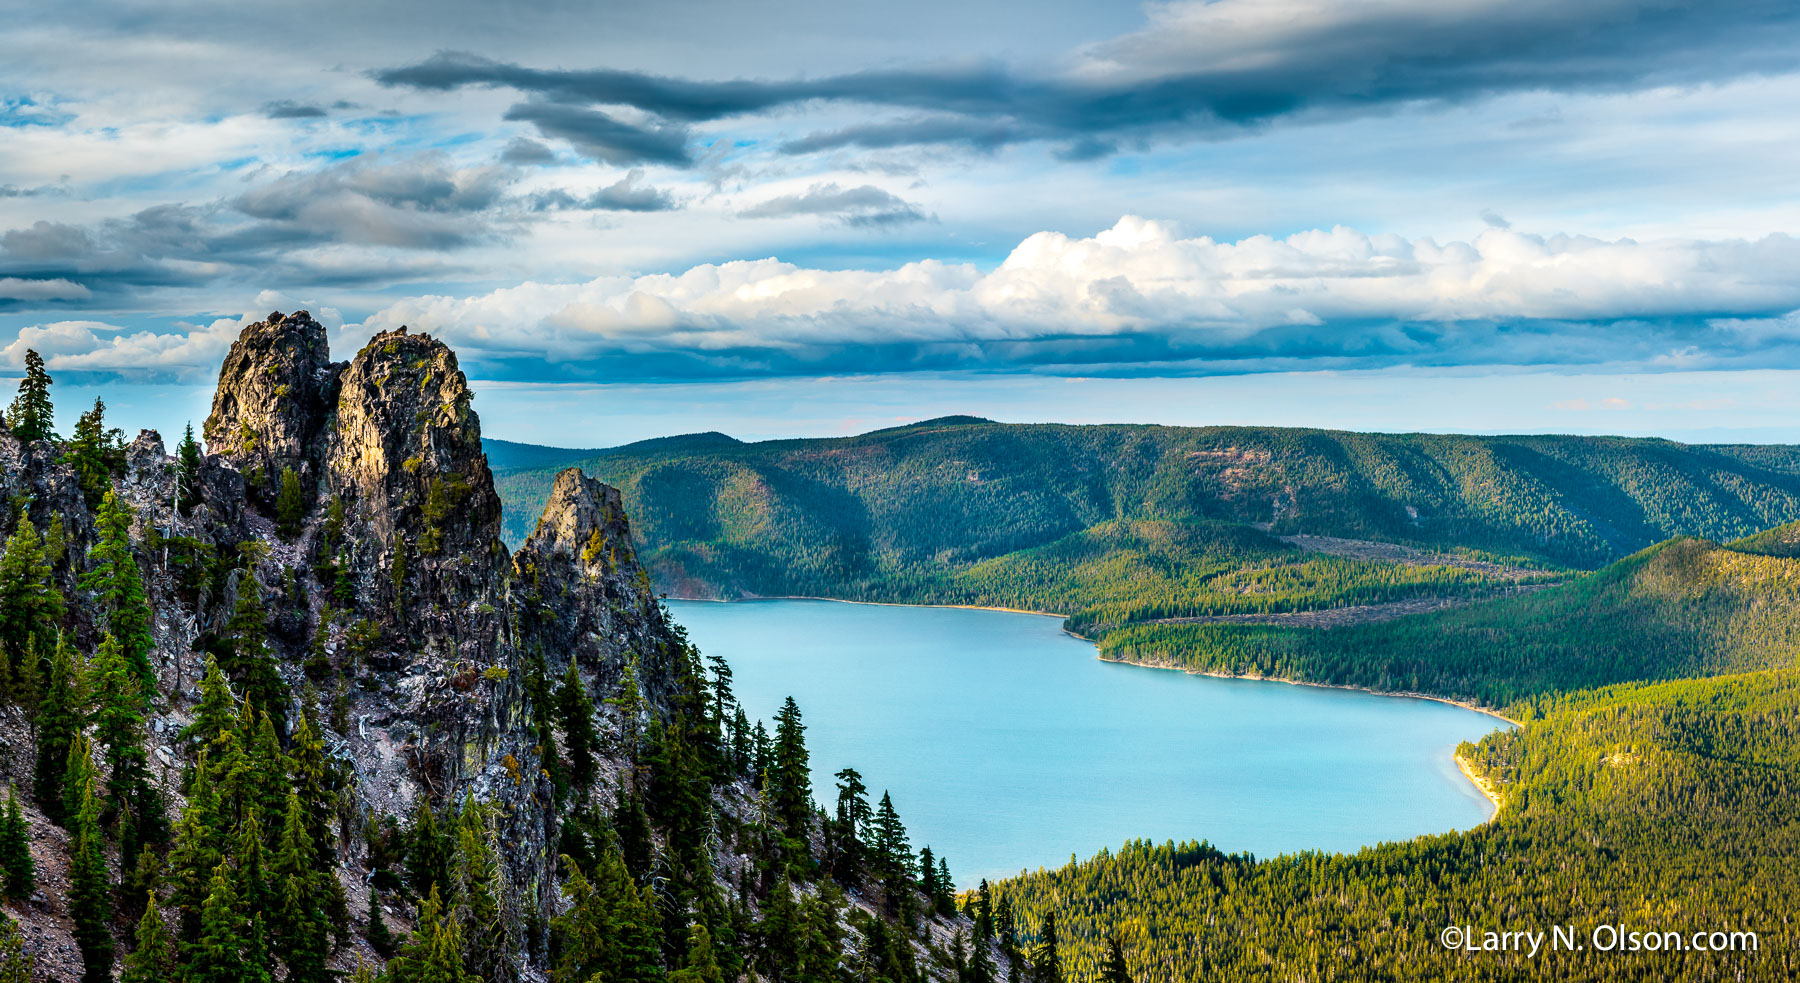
column 282, row 231
column 524, row 151
column 865, row 205
column 604, row 138
column 1201, row 69
column 1494, row 220
column 628, row 194
column 288, row 109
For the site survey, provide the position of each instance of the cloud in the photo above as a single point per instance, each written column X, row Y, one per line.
column 1140, row 299
column 1198, row 68
column 604, row 138
column 524, row 151
column 302, row 226
column 865, row 205
column 628, row 194
column 94, row 349
column 15, row 288
column 288, row 109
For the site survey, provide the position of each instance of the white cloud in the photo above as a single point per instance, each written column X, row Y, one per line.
column 1138, row 276
column 98, row 347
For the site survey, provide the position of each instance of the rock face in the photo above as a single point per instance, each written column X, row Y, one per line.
column 404, row 462
column 579, row 593
column 396, row 570
column 276, row 390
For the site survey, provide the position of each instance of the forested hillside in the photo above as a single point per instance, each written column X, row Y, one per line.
column 895, row 512
column 1672, row 807
column 1684, row 608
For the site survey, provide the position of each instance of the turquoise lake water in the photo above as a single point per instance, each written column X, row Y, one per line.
column 1008, row 745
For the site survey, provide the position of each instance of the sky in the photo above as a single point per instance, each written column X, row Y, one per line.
column 809, row 218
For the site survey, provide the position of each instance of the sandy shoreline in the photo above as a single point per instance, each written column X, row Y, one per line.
column 1487, row 789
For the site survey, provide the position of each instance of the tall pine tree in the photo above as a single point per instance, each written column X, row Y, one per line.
column 31, row 416
column 62, row 713
column 30, row 604
column 790, row 775
column 90, row 899
column 153, row 961
column 115, row 579
column 18, row 872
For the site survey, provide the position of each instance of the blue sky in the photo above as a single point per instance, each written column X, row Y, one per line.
column 805, row 218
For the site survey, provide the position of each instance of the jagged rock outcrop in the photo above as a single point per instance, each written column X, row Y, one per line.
column 580, row 594
column 276, row 391
column 404, row 462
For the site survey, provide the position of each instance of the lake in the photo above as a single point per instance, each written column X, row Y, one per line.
column 1008, row 745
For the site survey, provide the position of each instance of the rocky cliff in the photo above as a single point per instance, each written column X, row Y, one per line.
column 400, row 623
column 336, row 553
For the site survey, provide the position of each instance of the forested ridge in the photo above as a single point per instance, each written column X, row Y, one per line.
column 1114, row 525
column 952, row 492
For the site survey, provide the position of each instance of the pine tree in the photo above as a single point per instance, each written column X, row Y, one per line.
column 300, row 927
column 702, row 965
column 434, row 953
column 153, row 961
column 1046, row 963
column 290, row 505
column 630, row 702
column 79, row 779
column 1114, row 971
column 761, row 756
column 31, row 416
column 217, row 955
column 16, row 962
column 253, row 887
column 90, row 900
column 946, row 891
column 56, row 542
column 217, row 712
column 199, row 848
column 119, row 728
column 791, row 774
column 18, row 869
column 488, row 945
column 114, row 577
column 252, row 662
column 96, row 453
column 187, row 472
column 316, row 782
column 428, row 851
column 610, row 928
column 892, row 852
column 61, row 715
column 742, row 753
column 380, row 937
column 30, row 604
column 577, row 711
column 1006, row 932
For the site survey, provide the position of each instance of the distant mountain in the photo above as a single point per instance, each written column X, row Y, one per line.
column 892, row 514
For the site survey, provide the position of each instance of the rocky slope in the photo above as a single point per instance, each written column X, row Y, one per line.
column 397, row 503
column 356, row 501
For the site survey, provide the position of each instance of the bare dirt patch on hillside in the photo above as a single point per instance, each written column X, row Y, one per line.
column 1368, row 549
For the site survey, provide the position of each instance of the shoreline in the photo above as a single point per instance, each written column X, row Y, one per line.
column 874, row 604
column 1481, row 784
column 1464, row 704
